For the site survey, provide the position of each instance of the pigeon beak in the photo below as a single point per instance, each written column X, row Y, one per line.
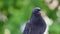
column 36, row 10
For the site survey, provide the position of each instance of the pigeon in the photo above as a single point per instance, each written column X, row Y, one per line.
column 36, row 24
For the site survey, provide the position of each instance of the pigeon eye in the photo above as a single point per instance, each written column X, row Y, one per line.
column 38, row 9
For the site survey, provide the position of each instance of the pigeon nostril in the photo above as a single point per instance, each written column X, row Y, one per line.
column 37, row 8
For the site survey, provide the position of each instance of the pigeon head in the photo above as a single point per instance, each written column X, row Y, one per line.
column 36, row 15
column 36, row 10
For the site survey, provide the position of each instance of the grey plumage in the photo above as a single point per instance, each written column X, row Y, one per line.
column 36, row 25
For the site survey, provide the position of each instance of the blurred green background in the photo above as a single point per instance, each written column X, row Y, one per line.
column 14, row 13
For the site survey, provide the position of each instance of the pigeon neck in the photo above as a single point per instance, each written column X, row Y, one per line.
column 36, row 18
